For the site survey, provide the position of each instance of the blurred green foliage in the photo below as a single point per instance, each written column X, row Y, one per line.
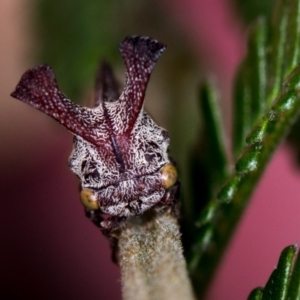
column 73, row 35
column 251, row 9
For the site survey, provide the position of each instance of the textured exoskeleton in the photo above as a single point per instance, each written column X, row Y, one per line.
column 120, row 154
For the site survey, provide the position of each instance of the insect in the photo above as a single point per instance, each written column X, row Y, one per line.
column 119, row 154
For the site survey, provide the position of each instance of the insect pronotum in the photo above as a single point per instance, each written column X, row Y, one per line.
column 119, row 154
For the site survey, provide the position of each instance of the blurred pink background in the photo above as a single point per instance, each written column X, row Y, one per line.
column 49, row 250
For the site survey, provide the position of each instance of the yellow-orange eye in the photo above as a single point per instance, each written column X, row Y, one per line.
column 88, row 199
column 168, row 175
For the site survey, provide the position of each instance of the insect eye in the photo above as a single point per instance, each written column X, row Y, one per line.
column 168, row 175
column 89, row 199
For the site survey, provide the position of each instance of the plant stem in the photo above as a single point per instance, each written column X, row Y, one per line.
column 151, row 259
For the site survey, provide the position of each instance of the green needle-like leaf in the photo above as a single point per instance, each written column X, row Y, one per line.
column 283, row 45
column 250, row 86
column 257, row 77
column 277, row 286
column 256, row 294
column 293, row 287
column 216, row 148
column 277, row 42
column 208, row 163
column 292, row 51
column 284, row 282
column 242, row 109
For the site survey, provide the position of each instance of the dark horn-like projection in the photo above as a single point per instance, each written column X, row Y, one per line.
column 106, row 87
column 140, row 55
column 39, row 89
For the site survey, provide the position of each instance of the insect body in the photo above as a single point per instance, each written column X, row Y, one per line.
column 119, row 154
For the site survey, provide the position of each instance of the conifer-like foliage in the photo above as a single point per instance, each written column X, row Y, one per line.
column 266, row 103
